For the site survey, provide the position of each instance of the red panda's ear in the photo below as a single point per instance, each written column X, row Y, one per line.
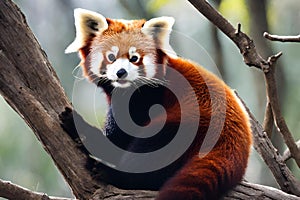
column 87, row 24
column 160, row 29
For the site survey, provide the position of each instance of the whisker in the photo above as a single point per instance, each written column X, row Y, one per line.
column 152, row 82
column 136, row 86
column 145, row 82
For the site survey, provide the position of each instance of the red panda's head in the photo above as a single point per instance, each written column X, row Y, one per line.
column 122, row 51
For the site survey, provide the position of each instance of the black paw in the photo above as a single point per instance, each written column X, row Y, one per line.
column 66, row 116
column 67, row 123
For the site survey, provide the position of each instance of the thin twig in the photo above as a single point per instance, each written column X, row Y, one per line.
column 268, row 119
column 287, row 154
column 243, row 42
column 11, row 191
column 282, row 38
column 239, row 29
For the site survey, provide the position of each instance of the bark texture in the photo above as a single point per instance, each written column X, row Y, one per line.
column 31, row 87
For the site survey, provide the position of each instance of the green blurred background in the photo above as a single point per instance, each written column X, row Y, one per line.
column 22, row 158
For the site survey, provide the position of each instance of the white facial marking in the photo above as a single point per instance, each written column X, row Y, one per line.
column 121, row 85
column 114, row 51
column 132, row 52
column 150, row 67
column 96, row 61
column 122, row 63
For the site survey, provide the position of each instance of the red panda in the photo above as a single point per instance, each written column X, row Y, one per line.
column 120, row 55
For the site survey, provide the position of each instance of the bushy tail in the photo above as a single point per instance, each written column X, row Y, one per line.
column 207, row 178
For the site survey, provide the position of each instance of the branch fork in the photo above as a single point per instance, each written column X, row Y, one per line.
column 253, row 58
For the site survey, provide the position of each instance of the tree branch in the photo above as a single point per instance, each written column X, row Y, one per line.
column 259, row 24
column 247, row 190
column 244, row 190
column 268, row 123
column 252, row 58
column 243, row 42
column 263, row 145
column 11, row 191
column 282, row 38
column 287, row 154
column 280, row 123
column 29, row 84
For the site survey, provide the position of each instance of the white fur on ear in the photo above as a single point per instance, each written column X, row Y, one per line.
column 159, row 22
column 160, row 28
column 86, row 23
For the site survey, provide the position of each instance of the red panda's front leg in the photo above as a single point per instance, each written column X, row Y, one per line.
column 207, row 178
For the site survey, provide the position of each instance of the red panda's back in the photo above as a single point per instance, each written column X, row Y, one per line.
column 219, row 155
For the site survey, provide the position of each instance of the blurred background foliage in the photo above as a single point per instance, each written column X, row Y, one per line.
column 22, row 158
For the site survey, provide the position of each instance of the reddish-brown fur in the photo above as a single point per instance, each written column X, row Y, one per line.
column 223, row 167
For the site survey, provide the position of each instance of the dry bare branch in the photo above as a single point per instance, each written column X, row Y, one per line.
column 11, row 191
column 30, row 86
column 280, row 123
column 282, row 38
column 247, row 190
column 263, row 145
column 252, row 58
column 243, row 42
column 259, row 24
column 268, row 119
column 244, row 190
column 287, row 154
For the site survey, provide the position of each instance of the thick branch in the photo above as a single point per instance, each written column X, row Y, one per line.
column 11, row 191
column 30, row 86
column 247, row 190
column 263, row 145
column 244, row 190
column 282, row 38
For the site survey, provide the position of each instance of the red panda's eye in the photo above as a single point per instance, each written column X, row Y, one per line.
column 134, row 59
column 111, row 57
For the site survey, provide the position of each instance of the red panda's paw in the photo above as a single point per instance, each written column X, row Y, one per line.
column 180, row 193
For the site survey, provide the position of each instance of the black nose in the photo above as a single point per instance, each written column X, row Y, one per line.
column 122, row 73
